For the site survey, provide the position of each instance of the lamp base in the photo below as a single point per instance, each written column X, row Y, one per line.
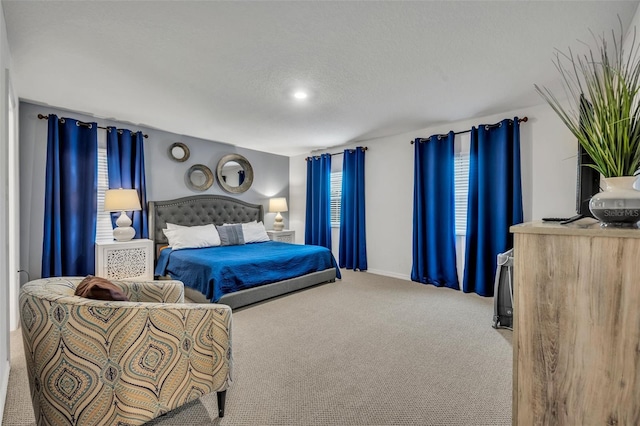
column 123, row 231
column 278, row 225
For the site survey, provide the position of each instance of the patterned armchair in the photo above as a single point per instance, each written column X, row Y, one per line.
column 121, row 363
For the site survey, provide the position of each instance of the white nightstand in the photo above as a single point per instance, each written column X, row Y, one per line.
column 124, row 260
column 283, row 236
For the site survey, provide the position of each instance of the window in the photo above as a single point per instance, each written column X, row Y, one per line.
column 336, row 198
column 461, row 185
column 104, row 229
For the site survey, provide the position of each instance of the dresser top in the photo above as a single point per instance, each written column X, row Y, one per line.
column 587, row 227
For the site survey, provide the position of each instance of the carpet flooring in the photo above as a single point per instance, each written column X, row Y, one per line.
column 366, row 350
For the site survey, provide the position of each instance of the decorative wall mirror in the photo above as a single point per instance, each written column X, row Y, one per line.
column 199, row 177
column 235, row 174
column 179, row 152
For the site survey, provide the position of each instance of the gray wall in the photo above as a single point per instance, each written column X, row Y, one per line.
column 165, row 177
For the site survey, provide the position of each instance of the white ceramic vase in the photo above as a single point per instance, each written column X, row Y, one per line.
column 619, row 204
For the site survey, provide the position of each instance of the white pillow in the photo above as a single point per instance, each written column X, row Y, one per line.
column 254, row 232
column 181, row 237
column 174, row 226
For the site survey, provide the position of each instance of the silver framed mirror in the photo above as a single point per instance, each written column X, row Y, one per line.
column 234, row 173
column 199, row 177
column 179, row 152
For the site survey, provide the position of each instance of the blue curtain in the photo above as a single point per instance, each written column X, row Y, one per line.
column 125, row 160
column 353, row 239
column 434, row 252
column 70, row 202
column 495, row 201
column 318, row 212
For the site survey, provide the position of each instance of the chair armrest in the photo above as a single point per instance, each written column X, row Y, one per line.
column 165, row 291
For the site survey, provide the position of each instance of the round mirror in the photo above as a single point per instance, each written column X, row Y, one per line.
column 179, row 152
column 232, row 173
column 199, row 177
column 235, row 174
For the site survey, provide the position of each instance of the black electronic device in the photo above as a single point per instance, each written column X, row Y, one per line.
column 588, row 182
column 588, row 178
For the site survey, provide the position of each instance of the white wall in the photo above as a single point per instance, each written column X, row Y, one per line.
column 548, row 179
column 7, row 276
column 634, row 24
column 14, row 206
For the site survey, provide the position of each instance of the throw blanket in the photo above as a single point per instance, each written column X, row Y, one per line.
column 216, row 271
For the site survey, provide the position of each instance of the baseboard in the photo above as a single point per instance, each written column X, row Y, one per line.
column 4, row 384
column 390, row 274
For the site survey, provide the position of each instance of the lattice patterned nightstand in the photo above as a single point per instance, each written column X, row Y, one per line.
column 124, row 260
column 283, row 236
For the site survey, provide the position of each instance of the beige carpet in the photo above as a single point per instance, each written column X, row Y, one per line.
column 367, row 350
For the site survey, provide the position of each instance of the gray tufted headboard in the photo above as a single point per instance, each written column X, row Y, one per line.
column 199, row 210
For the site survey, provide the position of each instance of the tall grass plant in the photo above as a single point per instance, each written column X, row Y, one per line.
column 602, row 89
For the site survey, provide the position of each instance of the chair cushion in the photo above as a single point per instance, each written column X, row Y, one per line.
column 99, row 289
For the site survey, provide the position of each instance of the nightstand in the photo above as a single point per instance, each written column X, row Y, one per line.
column 125, row 260
column 283, row 236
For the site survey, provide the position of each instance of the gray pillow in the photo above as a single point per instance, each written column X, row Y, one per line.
column 231, row 235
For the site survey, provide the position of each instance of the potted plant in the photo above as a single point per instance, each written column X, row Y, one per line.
column 602, row 111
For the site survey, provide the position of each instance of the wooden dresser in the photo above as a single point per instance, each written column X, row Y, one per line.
column 576, row 341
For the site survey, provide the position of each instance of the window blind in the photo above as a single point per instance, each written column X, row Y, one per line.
column 461, row 185
column 336, row 198
column 104, row 230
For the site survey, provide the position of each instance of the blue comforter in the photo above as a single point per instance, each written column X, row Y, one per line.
column 216, row 271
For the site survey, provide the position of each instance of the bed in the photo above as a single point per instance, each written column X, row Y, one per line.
column 217, row 274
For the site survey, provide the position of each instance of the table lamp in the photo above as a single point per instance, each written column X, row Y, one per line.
column 122, row 200
column 277, row 205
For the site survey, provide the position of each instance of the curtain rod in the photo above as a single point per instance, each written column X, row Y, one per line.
column 364, row 148
column 42, row 117
column 520, row 120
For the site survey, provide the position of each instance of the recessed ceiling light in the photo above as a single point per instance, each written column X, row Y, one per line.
column 300, row 95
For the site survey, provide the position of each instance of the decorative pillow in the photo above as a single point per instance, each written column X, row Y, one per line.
column 181, row 237
column 231, row 235
column 99, row 289
column 254, row 232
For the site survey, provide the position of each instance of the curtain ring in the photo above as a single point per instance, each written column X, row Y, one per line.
column 119, row 131
column 500, row 125
column 439, row 137
column 486, row 127
column 90, row 125
column 62, row 120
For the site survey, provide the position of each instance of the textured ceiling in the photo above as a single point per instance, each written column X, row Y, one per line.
column 225, row 71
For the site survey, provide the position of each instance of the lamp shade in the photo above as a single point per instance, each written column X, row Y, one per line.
column 118, row 200
column 277, row 205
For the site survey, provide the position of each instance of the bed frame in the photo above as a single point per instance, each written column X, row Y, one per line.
column 219, row 209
